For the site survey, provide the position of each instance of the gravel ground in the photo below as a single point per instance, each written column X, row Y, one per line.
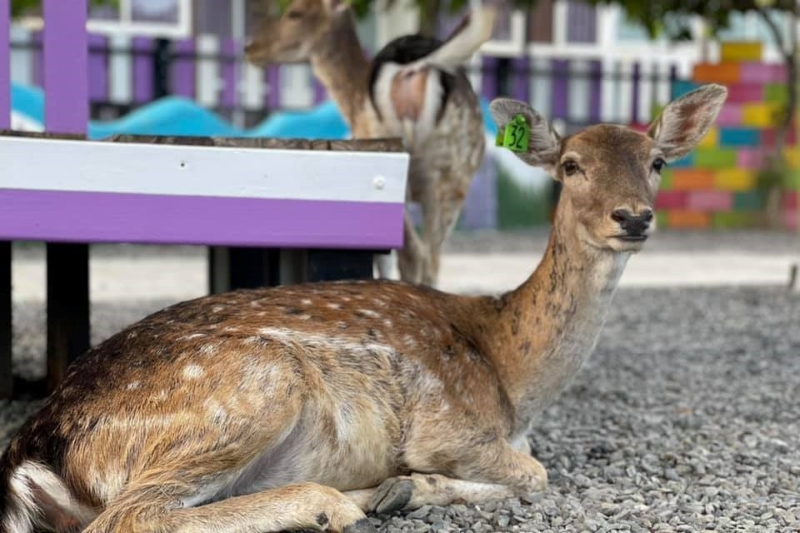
column 686, row 418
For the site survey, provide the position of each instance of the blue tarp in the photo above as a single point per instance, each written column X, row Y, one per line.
column 175, row 115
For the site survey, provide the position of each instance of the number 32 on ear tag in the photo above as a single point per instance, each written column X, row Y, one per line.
column 516, row 136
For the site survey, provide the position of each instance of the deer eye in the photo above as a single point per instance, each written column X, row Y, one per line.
column 658, row 164
column 294, row 14
column 570, row 167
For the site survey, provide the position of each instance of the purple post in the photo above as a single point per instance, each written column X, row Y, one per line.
column 520, row 72
column 142, row 70
column 66, row 79
column 183, row 69
column 5, row 67
column 320, row 92
column 560, row 105
column 98, row 68
column 636, row 78
column 595, row 90
column 229, row 96
column 273, row 75
column 489, row 88
column 37, row 59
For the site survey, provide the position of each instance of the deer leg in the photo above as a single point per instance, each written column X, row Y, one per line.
column 412, row 257
column 441, row 214
column 307, row 506
column 493, row 472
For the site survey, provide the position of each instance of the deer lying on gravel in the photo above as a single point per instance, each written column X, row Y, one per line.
column 415, row 88
column 306, row 406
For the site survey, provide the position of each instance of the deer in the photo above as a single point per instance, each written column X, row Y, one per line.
column 309, row 406
column 415, row 88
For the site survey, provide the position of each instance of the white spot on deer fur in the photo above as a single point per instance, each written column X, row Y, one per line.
column 290, row 336
column 370, row 313
column 305, row 301
column 192, row 336
column 334, row 306
column 161, row 396
column 193, row 371
column 209, row 349
column 217, row 308
column 215, row 410
column 387, row 323
column 230, row 329
column 133, row 385
column 24, row 507
column 132, row 335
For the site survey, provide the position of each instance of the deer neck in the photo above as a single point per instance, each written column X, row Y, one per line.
column 339, row 63
column 551, row 323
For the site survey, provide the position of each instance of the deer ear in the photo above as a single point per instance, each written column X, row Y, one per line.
column 336, row 6
column 544, row 145
column 685, row 121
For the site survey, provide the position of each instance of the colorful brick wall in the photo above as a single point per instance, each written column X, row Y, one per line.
column 717, row 184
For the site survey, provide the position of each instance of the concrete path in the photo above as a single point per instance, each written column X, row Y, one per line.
column 182, row 276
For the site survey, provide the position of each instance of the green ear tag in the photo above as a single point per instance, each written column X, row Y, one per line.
column 517, row 135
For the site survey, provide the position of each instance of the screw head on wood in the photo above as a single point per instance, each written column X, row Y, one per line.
column 379, row 182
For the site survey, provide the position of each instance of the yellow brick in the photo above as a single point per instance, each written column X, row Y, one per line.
column 711, row 139
column 741, row 51
column 793, row 157
column 760, row 115
column 735, row 179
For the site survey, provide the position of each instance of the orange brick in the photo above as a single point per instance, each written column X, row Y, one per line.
column 688, row 219
column 725, row 72
column 692, row 179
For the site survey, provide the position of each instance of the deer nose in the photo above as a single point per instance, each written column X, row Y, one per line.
column 633, row 224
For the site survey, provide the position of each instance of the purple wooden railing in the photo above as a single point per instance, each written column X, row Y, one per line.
column 5, row 65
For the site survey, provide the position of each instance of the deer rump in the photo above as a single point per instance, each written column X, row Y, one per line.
column 413, row 76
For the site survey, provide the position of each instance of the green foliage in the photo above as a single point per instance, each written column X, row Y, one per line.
column 20, row 7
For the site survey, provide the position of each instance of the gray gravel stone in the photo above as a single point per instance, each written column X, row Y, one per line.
column 686, row 418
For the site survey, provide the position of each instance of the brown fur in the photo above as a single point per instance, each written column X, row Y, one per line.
column 306, row 406
column 444, row 154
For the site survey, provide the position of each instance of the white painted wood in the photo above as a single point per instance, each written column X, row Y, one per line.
column 21, row 58
column 297, row 89
column 645, row 91
column 579, row 89
column 624, row 90
column 541, row 86
column 120, row 69
column 62, row 165
column 253, row 87
column 208, row 70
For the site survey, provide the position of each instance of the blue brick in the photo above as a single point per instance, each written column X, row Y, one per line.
column 681, row 87
column 730, row 137
column 684, row 162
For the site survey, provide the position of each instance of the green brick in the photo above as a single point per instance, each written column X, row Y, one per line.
column 714, row 158
column 666, row 180
column 661, row 219
column 750, row 200
column 776, row 92
column 733, row 219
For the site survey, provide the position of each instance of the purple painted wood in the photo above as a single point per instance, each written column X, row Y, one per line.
column 273, row 79
column 98, row 68
column 56, row 216
column 183, row 74
column 595, row 90
column 5, row 69
column 489, row 88
column 560, row 97
column 480, row 206
column 520, row 87
column 636, row 81
column 142, row 69
column 66, row 78
column 230, row 96
column 320, row 92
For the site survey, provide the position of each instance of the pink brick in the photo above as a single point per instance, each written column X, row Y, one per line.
column 790, row 219
column 745, row 92
column 671, row 200
column 709, row 201
column 730, row 115
column 789, row 200
column 750, row 158
column 762, row 72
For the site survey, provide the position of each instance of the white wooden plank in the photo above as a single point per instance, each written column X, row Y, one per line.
column 541, row 84
column 297, row 91
column 61, row 165
column 579, row 91
column 21, row 58
column 120, row 68
column 208, row 71
column 253, row 87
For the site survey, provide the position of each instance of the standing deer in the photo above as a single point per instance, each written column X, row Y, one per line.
column 415, row 88
column 306, row 406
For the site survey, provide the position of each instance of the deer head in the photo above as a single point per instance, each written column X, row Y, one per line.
column 292, row 36
column 611, row 173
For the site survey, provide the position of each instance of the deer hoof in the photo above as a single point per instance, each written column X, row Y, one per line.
column 393, row 494
column 362, row 526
